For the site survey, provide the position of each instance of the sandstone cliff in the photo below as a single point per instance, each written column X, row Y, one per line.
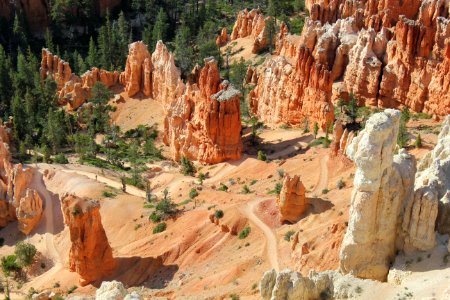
column 204, row 123
column 18, row 198
column 251, row 24
column 90, row 252
column 383, row 184
column 388, row 54
column 292, row 200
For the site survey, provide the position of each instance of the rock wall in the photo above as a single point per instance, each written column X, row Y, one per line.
column 389, row 54
column 73, row 90
column 251, row 24
column 18, row 198
column 288, row 93
column 428, row 211
column 292, row 200
column 204, row 123
column 383, row 184
column 90, row 253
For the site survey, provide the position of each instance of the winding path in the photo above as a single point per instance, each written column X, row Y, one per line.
column 323, row 176
column 108, row 181
column 271, row 239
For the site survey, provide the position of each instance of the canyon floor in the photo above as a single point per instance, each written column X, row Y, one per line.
column 196, row 258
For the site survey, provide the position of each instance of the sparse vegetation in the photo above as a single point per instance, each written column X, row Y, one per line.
column 234, row 297
column 418, row 142
column 108, row 194
column 280, row 173
column 159, row 228
column 219, row 214
column 223, row 187
column 340, row 184
column 246, row 190
column 187, row 167
column 288, row 235
column 25, row 253
column 262, row 156
column 325, row 191
column 72, row 289
column 244, row 233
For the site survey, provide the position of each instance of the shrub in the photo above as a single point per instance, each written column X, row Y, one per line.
column 193, row 193
column 2, row 241
column 72, row 289
column 340, row 184
column 277, row 189
column 159, row 228
column 234, row 297
column 155, row 217
column 262, row 156
column 219, row 214
column 108, row 194
column 187, row 167
column 246, row 190
column 253, row 182
column 223, row 187
column 288, row 235
column 60, row 159
column 25, row 253
column 325, row 191
column 244, row 233
column 419, row 141
column 280, row 173
column 201, row 177
column 9, row 264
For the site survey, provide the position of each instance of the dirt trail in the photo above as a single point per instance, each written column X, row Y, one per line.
column 323, row 177
column 272, row 251
column 108, row 181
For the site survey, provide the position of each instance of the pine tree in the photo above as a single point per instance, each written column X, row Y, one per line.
column 316, row 130
column 148, row 38
column 19, row 38
column 49, row 40
column 418, row 141
column 81, row 65
column 161, row 26
column 91, row 59
column 5, row 82
column 184, row 54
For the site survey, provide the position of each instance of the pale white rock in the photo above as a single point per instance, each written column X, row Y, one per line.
column 111, row 290
column 133, row 296
column 381, row 186
column 431, row 197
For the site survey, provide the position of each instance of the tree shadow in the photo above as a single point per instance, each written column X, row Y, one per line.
column 317, row 206
column 277, row 149
column 149, row 272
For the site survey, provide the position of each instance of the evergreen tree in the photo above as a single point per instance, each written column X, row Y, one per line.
column 238, row 71
column 5, row 82
column 271, row 33
column 184, row 54
column 418, row 141
column 161, row 26
column 316, row 130
column 148, row 38
column 91, row 59
column 19, row 37
column 49, row 40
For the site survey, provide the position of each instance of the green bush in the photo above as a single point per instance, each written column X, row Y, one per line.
column 25, row 253
column 60, row 159
column 193, row 193
column 10, row 264
column 277, row 189
column 219, row 214
column 262, row 156
column 234, row 297
column 187, row 167
column 155, row 217
column 418, row 141
column 340, row 184
column 223, row 187
column 108, row 194
column 159, row 228
column 244, row 233
column 325, row 191
column 72, row 289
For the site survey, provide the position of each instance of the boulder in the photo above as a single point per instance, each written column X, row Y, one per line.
column 292, row 200
column 90, row 253
column 111, row 290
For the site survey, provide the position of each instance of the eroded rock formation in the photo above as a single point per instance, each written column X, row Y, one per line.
column 204, row 123
column 251, row 24
column 90, row 252
column 431, row 197
column 222, row 38
column 289, row 94
column 388, row 54
column 292, row 200
column 73, row 90
column 292, row 285
column 383, row 184
column 19, row 199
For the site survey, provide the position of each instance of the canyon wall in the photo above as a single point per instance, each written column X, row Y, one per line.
column 19, row 199
column 204, row 124
column 388, row 54
column 251, row 24
column 90, row 253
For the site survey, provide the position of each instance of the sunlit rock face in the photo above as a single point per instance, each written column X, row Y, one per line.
column 204, row 123
column 90, row 252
